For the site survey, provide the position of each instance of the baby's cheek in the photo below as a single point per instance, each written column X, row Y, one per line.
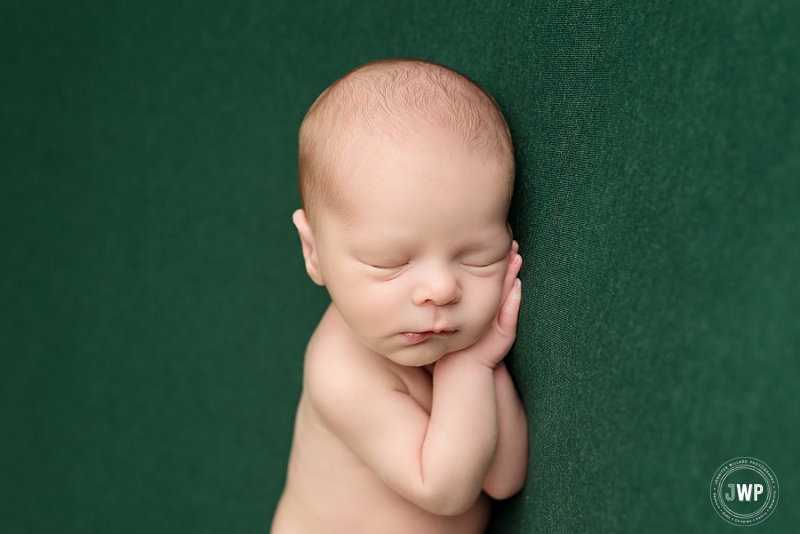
column 493, row 292
column 486, row 303
column 379, row 307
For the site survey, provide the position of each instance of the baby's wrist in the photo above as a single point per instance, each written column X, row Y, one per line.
column 466, row 360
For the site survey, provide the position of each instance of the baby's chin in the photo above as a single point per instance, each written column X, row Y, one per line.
column 425, row 352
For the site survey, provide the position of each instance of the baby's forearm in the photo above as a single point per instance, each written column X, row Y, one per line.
column 509, row 467
column 462, row 433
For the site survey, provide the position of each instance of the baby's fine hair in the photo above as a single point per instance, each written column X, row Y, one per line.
column 388, row 99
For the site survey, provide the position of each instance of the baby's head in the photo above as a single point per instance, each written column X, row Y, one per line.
column 388, row 101
column 406, row 175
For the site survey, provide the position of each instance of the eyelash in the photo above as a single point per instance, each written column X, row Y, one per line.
column 388, row 267
column 393, row 267
column 486, row 264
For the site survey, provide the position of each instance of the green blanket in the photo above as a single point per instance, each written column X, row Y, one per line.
column 154, row 307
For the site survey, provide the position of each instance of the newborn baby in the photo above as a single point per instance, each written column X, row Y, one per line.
column 408, row 421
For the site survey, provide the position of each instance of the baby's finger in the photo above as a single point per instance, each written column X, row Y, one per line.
column 495, row 344
column 514, row 265
column 507, row 318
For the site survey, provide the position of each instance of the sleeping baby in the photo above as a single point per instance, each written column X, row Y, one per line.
column 408, row 420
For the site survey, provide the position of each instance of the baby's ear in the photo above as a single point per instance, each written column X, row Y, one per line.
column 309, row 249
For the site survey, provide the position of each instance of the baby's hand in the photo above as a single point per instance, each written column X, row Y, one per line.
column 496, row 342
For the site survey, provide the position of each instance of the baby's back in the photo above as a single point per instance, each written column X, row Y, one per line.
column 329, row 489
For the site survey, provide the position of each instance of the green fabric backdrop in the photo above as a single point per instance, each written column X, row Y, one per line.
column 154, row 307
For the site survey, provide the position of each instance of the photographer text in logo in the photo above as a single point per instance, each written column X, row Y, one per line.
column 744, row 491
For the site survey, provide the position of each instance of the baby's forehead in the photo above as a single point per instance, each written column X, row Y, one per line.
column 383, row 176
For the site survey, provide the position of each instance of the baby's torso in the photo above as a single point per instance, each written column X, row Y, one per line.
column 329, row 489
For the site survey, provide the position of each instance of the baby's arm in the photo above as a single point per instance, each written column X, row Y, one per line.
column 496, row 424
column 438, row 462
column 510, row 464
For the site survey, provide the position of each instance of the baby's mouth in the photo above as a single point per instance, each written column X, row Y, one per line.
column 418, row 337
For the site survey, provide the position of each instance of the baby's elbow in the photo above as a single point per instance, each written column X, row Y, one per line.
column 448, row 502
column 458, row 508
column 501, row 492
column 500, row 488
column 450, row 508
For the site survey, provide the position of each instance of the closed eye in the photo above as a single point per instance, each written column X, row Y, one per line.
column 482, row 265
column 487, row 268
column 385, row 267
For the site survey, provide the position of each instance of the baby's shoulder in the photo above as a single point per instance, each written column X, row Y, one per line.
column 338, row 366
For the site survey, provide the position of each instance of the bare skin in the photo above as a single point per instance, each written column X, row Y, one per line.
column 409, row 420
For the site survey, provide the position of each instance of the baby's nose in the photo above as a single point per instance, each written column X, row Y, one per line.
column 438, row 286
